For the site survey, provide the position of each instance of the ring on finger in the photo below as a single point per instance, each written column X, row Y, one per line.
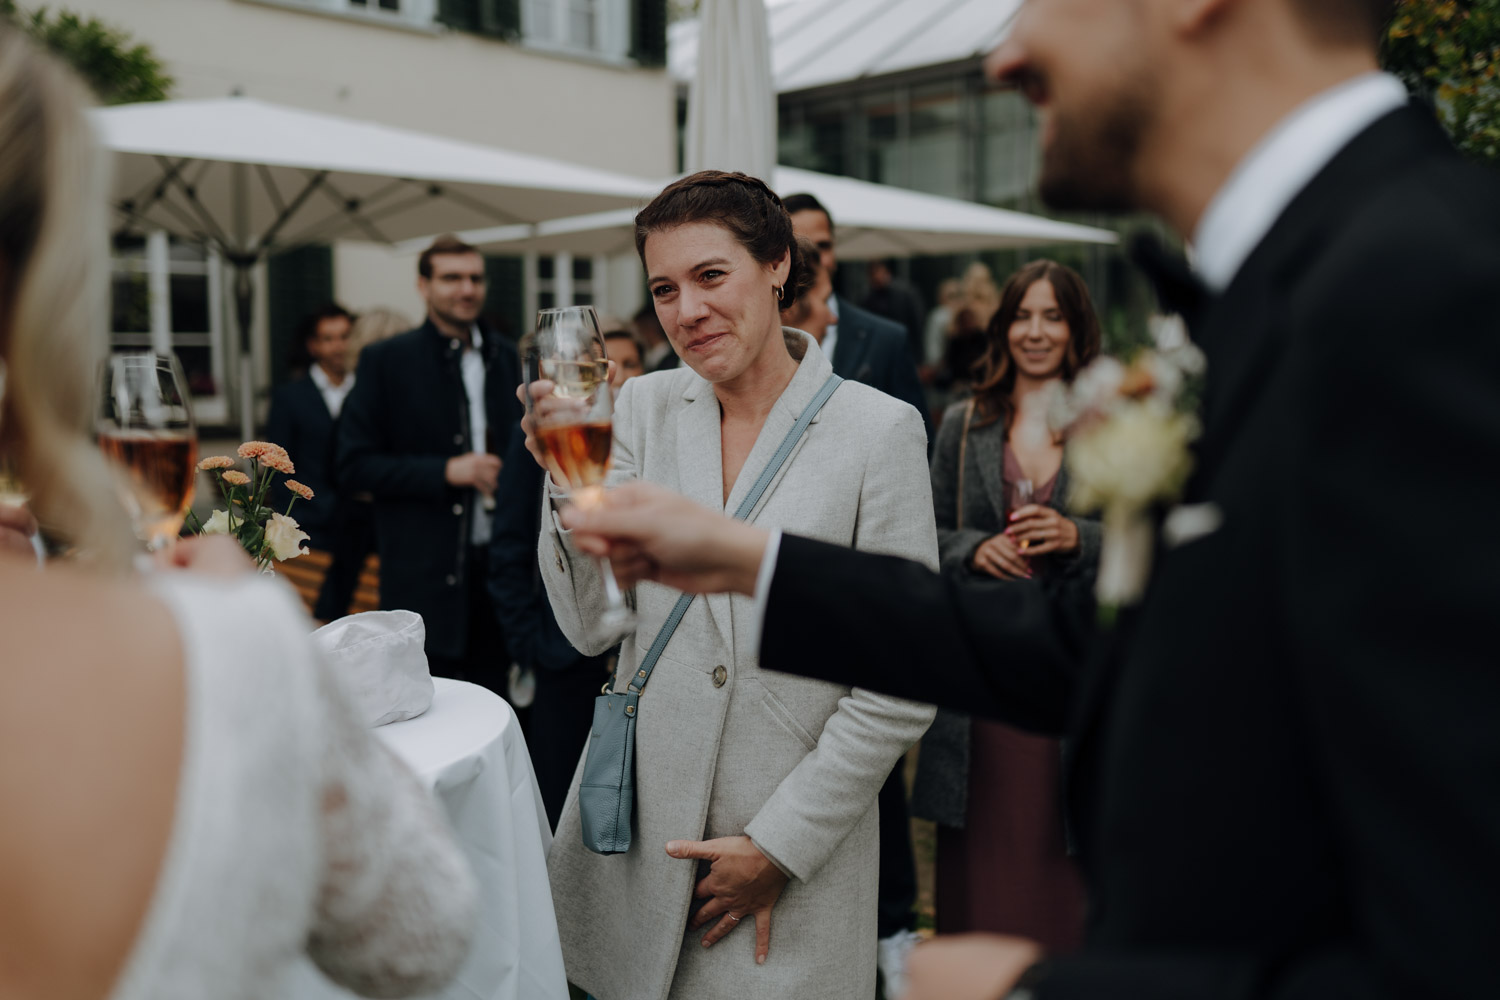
column 731, row 916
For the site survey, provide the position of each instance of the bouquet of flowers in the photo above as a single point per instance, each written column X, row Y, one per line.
column 264, row 533
column 1129, row 428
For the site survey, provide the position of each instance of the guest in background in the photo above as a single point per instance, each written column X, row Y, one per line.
column 659, row 355
column 773, row 784
column 251, row 818
column 862, row 346
column 566, row 680
column 809, row 311
column 896, row 301
column 414, row 436
column 939, row 324
column 354, row 516
column 305, row 412
column 968, row 340
column 1002, row 862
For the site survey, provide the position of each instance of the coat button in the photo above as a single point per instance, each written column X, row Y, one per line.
column 458, row 439
column 452, row 580
column 720, row 676
column 458, row 510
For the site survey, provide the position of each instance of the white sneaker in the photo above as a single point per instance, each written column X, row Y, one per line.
column 890, row 958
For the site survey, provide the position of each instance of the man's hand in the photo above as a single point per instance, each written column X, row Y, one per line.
column 17, row 525
column 740, row 882
column 476, row 470
column 968, row 967
column 651, row 533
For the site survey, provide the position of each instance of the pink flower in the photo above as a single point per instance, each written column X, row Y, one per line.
column 234, row 477
column 255, row 449
column 297, row 488
column 278, row 460
column 216, row 462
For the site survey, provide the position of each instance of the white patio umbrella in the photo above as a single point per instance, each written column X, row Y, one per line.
column 732, row 103
column 252, row 178
column 872, row 221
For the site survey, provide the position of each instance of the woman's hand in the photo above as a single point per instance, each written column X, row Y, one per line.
column 1001, row 558
column 968, row 967
column 1038, row 530
column 741, row 882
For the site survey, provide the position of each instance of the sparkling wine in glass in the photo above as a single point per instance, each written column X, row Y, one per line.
column 574, row 424
column 1024, row 493
column 146, row 428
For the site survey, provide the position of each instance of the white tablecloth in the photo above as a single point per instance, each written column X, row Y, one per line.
column 469, row 750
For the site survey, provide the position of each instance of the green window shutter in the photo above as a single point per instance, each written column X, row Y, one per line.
column 500, row 18
column 460, row 14
column 648, row 32
column 297, row 282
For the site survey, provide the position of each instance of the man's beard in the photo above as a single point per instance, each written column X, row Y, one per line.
column 1090, row 163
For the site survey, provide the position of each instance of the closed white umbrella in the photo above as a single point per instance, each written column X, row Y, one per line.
column 732, row 104
column 873, row 221
column 252, row 177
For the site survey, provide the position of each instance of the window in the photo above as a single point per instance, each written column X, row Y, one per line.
column 186, row 280
column 418, row 13
column 595, row 27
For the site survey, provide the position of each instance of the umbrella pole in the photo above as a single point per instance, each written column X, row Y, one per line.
column 244, row 300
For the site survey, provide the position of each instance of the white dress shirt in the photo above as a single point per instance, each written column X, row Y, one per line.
column 471, row 366
column 1285, row 160
column 831, row 335
column 333, row 395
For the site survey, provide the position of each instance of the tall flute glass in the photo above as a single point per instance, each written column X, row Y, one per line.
column 574, row 424
column 146, row 428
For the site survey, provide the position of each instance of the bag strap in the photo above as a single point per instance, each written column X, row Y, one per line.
column 648, row 663
column 963, row 450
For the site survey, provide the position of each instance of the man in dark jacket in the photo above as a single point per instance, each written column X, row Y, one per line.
column 415, row 435
column 1283, row 760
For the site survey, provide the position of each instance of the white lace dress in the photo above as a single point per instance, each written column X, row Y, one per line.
column 296, row 831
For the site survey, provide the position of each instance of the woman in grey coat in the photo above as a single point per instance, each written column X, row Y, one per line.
column 1000, row 487
column 753, row 864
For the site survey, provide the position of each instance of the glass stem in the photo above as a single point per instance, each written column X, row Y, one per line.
column 614, row 597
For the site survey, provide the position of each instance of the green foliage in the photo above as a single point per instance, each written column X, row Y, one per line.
column 118, row 72
column 1448, row 51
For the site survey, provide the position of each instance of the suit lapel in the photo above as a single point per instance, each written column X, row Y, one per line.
column 852, row 346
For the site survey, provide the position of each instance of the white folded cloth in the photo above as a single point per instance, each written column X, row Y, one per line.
column 380, row 657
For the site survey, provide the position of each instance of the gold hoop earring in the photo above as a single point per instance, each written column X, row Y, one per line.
column 780, row 297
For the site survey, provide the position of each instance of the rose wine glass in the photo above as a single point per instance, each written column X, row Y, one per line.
column 574, row 424
column 1023, row 494
column 146, row 428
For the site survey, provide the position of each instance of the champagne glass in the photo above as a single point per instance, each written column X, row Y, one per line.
column 1024, row 494
column 574, row 425
column 146, row 428
column 12, row 491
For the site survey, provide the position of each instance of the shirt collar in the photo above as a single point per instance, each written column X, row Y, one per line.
column 320, row 378
column 1284, row 161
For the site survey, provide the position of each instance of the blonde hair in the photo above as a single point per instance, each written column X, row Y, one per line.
column 53, row 283
column 374, row 324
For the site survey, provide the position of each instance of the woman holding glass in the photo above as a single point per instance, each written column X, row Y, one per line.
column 190, row 803
column 1000, row 485
column 755, row 792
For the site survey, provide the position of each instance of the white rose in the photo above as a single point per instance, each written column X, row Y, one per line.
column 217, row 524
column 1137, row 457
column 285, row 537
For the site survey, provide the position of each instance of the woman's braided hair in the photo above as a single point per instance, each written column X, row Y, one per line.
column 744, row 205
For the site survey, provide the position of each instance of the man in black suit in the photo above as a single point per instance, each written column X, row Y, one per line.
column 898, row 302
column 414, row 435
column 1283, row 762
column 304, row 420
column 861, row 346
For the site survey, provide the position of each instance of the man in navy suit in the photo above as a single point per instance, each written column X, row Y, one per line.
column 862, row 346
column 304, row 420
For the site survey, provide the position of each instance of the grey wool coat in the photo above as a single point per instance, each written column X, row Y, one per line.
column 724, row 748
column 940, row 792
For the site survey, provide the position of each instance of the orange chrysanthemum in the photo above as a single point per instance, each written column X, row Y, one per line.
column 255, row 449
column 278, row 460
column 236, row 478
column 297, row 488
column 216, row 462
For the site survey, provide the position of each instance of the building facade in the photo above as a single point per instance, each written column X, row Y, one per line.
column 576, row 80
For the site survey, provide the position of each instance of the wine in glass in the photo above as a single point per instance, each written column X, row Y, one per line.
column 146, row 427
column 574, row 424
column 1023, row 495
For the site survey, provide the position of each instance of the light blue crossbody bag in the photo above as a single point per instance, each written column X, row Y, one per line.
column 606, row 793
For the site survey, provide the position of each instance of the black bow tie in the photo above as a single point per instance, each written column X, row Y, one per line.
column 1178, row 288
